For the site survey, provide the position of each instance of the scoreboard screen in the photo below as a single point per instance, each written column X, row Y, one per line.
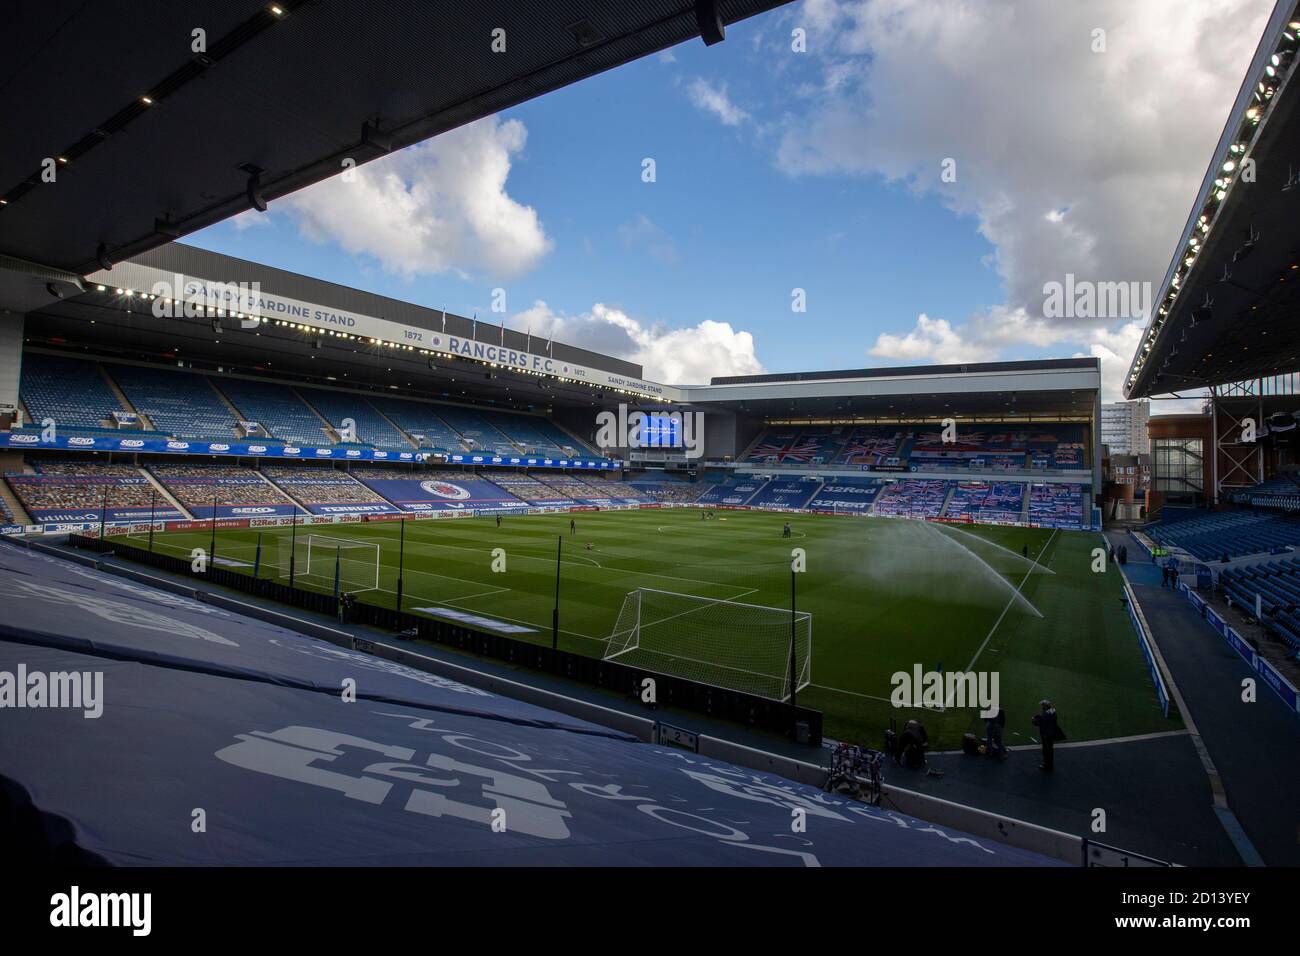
column 661, row 430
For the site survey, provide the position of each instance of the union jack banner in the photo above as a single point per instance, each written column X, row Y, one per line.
column 965, row 441
column 795, row 449
column 868, row 449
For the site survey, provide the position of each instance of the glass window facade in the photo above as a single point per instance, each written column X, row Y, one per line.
column 1179, row 466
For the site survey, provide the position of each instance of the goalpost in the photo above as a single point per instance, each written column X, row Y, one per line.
column 321, row 557
column 743, row 647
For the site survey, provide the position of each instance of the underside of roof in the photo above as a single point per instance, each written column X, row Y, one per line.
column 128, row 125
column 1227, row 306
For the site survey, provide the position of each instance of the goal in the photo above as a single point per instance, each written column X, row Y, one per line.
column 320, row 558
column 744, row 647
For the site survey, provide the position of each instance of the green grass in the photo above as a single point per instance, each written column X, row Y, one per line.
column 884, row 595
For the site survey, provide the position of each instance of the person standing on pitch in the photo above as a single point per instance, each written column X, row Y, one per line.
column 786, row 532
column 498, row 521
column 573, row 526
column 1049, row 732
column 993, row 745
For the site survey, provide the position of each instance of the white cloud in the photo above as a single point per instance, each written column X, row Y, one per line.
column 678, row 356
column 931, row 340
column 981, row 338
column 250, row 219
column 713, row 98
column 992, row 336
column 1069, row 161
column 440, row 206
column 1115, row 348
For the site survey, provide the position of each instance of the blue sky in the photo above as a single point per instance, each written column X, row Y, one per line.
column 816, row 170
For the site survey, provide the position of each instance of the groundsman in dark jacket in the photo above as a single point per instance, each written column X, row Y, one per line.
column 1049, row 732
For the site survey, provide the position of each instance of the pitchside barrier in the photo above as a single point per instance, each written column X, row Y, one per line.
column 1267, row 672
column 1149, row 655
column 722, row 703
column 1143, row 541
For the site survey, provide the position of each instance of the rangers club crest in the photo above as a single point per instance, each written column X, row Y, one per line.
column 445, row 489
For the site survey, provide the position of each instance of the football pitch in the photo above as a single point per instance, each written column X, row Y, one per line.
column 884, row 595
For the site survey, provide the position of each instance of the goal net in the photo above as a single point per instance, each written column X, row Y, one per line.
column 320, row 558
column 744, row 647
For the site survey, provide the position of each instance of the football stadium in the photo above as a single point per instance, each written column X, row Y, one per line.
column 285, row 555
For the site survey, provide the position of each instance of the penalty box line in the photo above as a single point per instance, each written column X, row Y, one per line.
column 308, row 574
column 426, row 597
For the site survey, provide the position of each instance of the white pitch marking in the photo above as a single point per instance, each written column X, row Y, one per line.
column 989, row 636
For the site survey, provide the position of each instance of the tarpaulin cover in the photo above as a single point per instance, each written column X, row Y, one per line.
column 205, row 714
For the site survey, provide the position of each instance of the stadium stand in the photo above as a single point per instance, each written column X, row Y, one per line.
column 324, row 490
column 182, row 404
column 1056, row 505
column 799, row 446
column 1057, row 446
column 80, row 491
column 477, row 433
column 76, row 468
column 976, row 447
column 569, row 486
column 994, row 447
column 233, row 491
column 610, row 490
column 913, row 498
column 851, row 495
column 428, row 491
column 561, row 439
column 419, row 418
column 972, row 447
column 786, row 493
column 1278, row 585
column 665, row 490
column 528, row 489
column 527, row 434
column 372, row 429
column 73, row 392
column 873, row 445
column 988, row 502
column 187, row 405
column 1281, row 492
column 1211, row 535
column 277, row 408
column 402, row 474
column 736, row 490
